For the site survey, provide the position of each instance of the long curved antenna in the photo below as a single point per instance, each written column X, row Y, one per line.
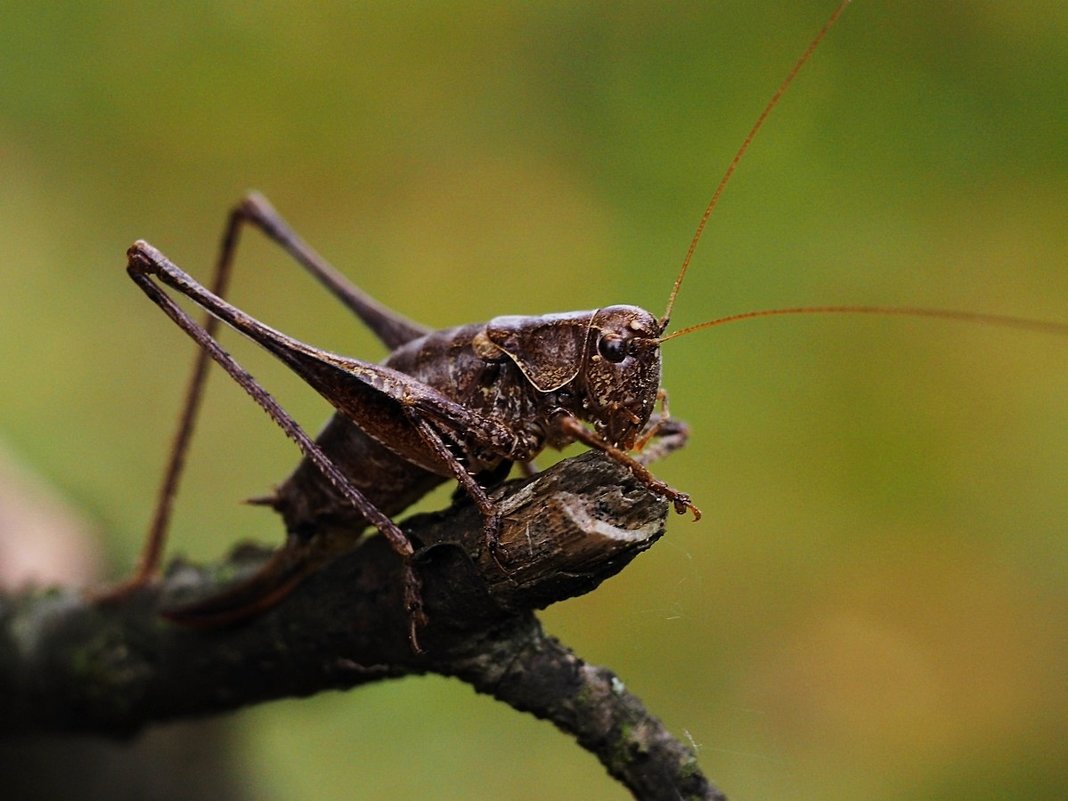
column 741, row 152
column 1004, row 320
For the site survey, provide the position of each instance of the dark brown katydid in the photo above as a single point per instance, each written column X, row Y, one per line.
column 464, row 403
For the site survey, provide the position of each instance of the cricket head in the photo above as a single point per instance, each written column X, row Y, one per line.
column 620, row 376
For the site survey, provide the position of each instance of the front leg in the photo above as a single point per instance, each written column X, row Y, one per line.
column 574, row 429
column 670, row 435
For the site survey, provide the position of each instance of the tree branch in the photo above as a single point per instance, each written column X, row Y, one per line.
column 67, row 665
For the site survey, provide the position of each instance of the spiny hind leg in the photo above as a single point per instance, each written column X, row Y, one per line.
column 141, row 270
column 392, row 328
column 148, row 562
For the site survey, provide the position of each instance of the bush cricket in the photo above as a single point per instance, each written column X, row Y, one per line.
column 463, row 404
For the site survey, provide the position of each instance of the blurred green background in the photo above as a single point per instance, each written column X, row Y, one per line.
column 875, row 603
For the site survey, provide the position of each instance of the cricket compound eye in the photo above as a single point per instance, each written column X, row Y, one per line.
column 613, row 349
